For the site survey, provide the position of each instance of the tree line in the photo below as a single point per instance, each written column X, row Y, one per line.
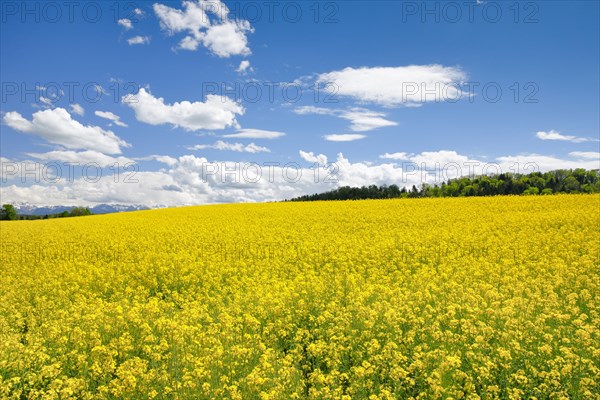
column 536, row 183
column 9, row 213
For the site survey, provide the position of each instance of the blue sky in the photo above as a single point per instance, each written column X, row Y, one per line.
column 543, row 56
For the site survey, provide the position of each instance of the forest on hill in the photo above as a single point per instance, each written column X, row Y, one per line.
column 536, row 183
column 8, row 212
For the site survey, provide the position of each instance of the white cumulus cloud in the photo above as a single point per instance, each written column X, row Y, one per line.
column 344, row 137
column 395, row 156
column 554, row 135
column 537, row 162
column 57, row 127
column 244, row 67
column 77, row 109
column 321, row 159
column 189, row 180
column 238, row 147
column 254, row 134
column 159, row 158
column 125, row 23
column 206, row 23
column 111, row 117
column 46, row 102
column 410, row 85
column 593, row 155
column 215, row 113
column 361, row 119
column 138, row 40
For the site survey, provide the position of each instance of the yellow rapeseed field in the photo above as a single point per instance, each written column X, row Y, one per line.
column 466, row 298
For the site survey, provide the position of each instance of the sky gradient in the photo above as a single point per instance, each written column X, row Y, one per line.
column 180, row 103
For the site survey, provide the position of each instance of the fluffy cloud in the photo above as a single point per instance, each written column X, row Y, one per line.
column 138, row 40
column 57, row 127
column 345, row 137
column 215, row 113
column 255, row 134
column 321, row 159
column 435, row 167
column 190, row 180
column 46, row 102
column 396, row 86
column 394, row 156
column 593, row 155
column 536, row 162
column 238, row 147
column 10, row 170
column 111, row 117
column 361, row 120
column 447, row 164
column 364, row 120
column 244, row 67
column 125, row 23
column 228, row 38
column 222, row 36
column 170, row 161
column 554, row 135
column 77, row 109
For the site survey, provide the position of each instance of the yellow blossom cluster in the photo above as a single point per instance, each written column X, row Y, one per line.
column 455, row 298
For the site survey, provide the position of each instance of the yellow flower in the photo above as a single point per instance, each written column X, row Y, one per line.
column 424, row 299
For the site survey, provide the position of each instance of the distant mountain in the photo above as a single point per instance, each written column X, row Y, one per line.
column 29, row 209
column 114, row 208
